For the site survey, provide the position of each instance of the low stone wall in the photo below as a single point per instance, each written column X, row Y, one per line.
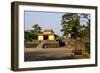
column 31, row 44
column 51, row 44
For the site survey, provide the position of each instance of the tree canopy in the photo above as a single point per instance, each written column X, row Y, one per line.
column 32, row 34
column 73, row 27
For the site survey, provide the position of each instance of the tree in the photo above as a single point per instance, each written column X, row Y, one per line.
column 71, row 23
column 36, row 28
column 77, row 25
column 28, row 36
column 32, row 34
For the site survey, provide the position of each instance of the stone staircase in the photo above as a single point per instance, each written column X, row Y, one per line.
column 41, row 44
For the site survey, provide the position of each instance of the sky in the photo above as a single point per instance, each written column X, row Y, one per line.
column 46, row 20
column 50, row 20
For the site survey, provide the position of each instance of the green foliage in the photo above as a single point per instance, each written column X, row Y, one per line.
column 71, row 25
column 36, row 28
column 61, row 38
column 32, row 34
column 87, row 47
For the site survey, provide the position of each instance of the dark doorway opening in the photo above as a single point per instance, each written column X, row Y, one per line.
column 45, row 37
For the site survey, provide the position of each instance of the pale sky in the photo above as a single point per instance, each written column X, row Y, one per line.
column 45, row 20
column 51, row 20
